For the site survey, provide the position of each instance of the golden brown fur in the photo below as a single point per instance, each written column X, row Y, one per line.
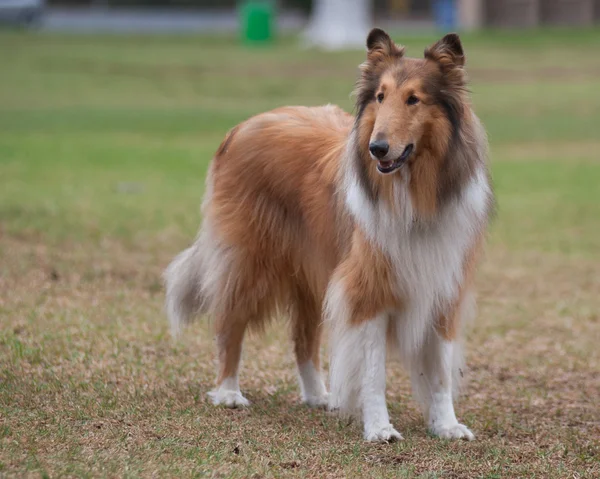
column 279, row 228
column 277, row 208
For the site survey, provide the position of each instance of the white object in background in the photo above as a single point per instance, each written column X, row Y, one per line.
column 22, row 12
column 339, row 24
column 470, row 14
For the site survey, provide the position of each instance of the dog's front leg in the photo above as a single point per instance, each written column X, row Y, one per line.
column 432, row 377
column 376, row 419
column 357, row 373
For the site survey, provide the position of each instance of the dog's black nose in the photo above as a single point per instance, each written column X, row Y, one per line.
column 379, row 148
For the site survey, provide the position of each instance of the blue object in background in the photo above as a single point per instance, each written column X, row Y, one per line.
column 444, row 12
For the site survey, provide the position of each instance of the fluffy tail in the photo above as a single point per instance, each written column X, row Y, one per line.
column 183, row 282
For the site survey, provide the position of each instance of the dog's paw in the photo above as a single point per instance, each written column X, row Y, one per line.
column 382, row 434
column 333, row 403
column 228, row 398
column 321, row 401
column 452, row 431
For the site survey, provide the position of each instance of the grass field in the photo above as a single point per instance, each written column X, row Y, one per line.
column 104, row 143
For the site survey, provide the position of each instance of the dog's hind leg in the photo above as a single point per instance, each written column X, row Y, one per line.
column 230, row 335
column 306, row 332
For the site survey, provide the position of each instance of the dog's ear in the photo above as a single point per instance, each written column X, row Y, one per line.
column 380, row 46
column 449, row 55
column 381, row 51
column 448, row 52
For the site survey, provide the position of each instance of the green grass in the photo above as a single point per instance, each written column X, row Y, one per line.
column 104, row 143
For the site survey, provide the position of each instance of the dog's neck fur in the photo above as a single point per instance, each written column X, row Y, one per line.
column 426, row 255
column 465, row 157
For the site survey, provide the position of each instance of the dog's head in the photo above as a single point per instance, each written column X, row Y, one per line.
column 406, row 105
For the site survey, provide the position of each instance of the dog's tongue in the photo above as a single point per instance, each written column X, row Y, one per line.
column 385, row 164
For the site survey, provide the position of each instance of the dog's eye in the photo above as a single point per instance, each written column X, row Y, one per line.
column 380, row 97
column 412, row 100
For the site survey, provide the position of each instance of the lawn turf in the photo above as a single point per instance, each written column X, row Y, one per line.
column 104, row 143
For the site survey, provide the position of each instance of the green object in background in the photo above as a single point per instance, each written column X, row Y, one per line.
column 256, row 19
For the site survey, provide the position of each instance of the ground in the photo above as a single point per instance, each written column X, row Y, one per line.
column 104, row 143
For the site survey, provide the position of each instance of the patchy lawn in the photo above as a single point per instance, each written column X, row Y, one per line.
column 104, row 142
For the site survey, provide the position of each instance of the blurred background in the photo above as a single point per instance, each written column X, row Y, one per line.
column 110, row 112
column 178, row 15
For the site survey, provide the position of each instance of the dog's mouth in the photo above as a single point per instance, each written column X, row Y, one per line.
column 389, row 166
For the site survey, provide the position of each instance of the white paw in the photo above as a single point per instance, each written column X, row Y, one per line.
column 452, row 431
column 320, row 401
column 228, row 398
column 382, row 434
column 333, row 403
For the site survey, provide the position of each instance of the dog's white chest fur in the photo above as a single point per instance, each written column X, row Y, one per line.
column 428, row 257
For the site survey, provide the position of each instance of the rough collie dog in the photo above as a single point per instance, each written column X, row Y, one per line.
column 372, row 223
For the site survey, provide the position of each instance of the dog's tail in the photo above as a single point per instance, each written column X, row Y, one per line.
column 184, row 279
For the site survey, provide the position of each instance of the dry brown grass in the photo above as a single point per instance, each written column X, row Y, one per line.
column 100, row 179
column 93, row 385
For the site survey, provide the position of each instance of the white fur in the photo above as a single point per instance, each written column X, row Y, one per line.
column 428, row 259
column 428, row 256
column 312, row 385
column 188, row 290
column 345, row 364
column 228, row 394
column 432, row 378
column 182, row 281
column 357, row 368
column 196, row 277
